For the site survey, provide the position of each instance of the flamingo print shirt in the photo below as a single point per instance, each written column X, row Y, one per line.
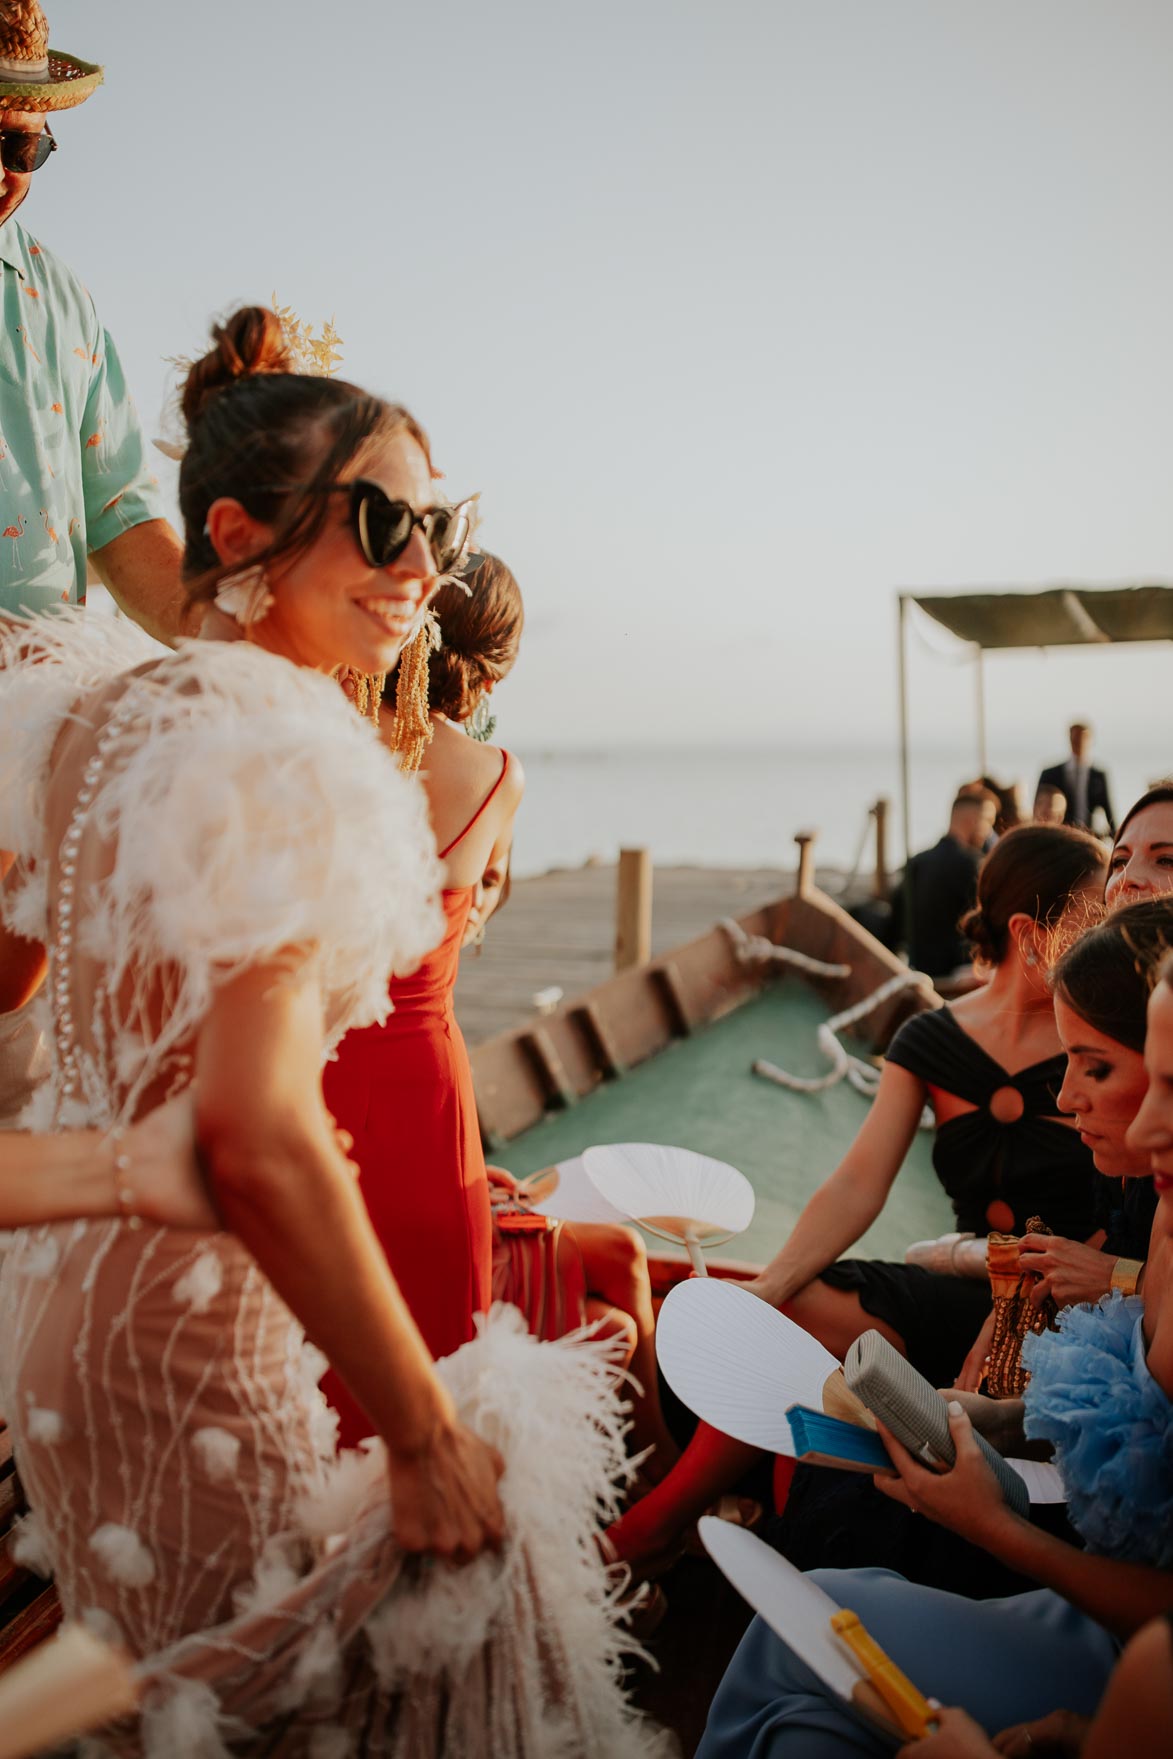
column 74, row 472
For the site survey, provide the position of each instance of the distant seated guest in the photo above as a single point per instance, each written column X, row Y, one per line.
column 1050, row 807
column 1084, row 786
column 940, row 886
column 1009, row 798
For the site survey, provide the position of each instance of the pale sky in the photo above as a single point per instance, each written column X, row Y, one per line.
column 740, row 314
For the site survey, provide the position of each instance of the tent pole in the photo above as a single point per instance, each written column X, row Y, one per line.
column 980, row 689
column 902, row 672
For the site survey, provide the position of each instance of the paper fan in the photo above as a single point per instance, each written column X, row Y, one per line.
column 673, row 1192
column 795, row 1608
column 1044, row 1481
column 739, row 1363
column 799, row 1612
column 566, row 1193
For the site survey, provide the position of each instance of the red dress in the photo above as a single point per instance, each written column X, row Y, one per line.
column 404, row 1091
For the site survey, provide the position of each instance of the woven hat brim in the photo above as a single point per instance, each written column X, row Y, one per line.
column 70, row 82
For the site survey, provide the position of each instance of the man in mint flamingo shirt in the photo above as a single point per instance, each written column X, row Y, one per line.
column 75, row 481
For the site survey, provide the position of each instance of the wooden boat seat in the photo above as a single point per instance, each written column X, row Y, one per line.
column 29, row 1608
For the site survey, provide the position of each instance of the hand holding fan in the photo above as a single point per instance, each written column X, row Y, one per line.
column 828, row 1638
column 673, row 1192
column 740, row 1365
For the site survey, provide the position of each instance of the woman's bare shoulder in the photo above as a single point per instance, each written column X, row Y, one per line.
column 452, row 754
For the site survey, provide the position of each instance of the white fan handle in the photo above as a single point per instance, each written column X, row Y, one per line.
column 696, row 1256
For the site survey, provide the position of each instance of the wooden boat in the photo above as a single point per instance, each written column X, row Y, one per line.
column 630, row 1048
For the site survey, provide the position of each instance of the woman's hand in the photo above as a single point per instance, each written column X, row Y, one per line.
column 958, row 1737
column 1070, row 1272
column 973, row 1369
column 163, row 1176
column 444, row 1497
column 967, row 1499
column 999, row 1420
column 1061, row 1733
column 500, row 1177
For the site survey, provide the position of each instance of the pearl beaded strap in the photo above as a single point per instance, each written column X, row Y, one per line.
column 61, row 947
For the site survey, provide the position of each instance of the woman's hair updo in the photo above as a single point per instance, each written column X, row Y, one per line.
column 268, row 437
column 1107, row 976
column 480, row 632
column 1031, row 871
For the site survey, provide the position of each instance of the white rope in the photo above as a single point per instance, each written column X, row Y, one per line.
column 755, row 949
column 861, row 1074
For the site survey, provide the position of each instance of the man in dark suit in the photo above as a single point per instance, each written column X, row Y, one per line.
column 1085, row 787
column 939, row 885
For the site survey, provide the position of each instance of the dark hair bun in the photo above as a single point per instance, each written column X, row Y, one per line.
column 251, row 341
column 481, row 620
column 1033, row 870
column 988, row 945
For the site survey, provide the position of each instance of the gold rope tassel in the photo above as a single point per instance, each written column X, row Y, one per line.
column 368, row 693
column 413, row 726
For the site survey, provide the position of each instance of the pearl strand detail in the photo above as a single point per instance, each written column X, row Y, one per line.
column 61, row 982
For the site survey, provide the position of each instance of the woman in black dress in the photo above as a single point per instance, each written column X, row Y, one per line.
column 990, row 1067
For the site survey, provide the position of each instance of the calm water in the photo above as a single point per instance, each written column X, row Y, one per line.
column 741, row 809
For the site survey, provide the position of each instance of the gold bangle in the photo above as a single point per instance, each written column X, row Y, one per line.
column 1126, row 1275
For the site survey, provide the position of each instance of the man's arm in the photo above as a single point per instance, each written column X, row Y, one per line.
column 140, row 567
column 1106, row 804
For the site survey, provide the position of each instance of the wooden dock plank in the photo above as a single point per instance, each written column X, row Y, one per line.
column 558, row 931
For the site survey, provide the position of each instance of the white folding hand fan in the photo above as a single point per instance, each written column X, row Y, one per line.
column 826, row 1636
column 740, row 1364
column 673, row 1192
column 566, row 1193
column 1044, row 1482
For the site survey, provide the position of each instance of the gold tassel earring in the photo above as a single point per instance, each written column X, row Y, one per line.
column 365, row 690
column 413, row 726
column 368, row 693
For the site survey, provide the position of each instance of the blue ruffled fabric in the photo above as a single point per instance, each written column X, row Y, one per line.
column 1092, row 1396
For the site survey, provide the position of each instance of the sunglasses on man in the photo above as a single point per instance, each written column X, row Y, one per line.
column 382, row 527
column 22, row 150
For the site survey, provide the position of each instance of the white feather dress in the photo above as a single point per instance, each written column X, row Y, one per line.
column 177, row 820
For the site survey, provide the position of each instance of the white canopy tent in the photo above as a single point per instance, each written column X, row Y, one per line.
column 1054, row 616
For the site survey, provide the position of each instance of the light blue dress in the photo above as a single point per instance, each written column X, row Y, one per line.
column 1004, row 1661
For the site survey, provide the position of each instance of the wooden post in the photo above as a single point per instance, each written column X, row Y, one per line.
column 805, row 877
column 633, row 909
column 880, row 882
column 902, row 673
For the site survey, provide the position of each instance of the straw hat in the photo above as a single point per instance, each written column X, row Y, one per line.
column 33, row 76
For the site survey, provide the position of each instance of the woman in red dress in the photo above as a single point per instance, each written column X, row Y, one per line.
column 404, row 1089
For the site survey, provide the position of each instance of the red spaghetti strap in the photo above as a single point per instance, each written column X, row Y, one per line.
column 472, row 821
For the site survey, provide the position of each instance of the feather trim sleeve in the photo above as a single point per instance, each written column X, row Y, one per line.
column 253, row 810
column 47, row 664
